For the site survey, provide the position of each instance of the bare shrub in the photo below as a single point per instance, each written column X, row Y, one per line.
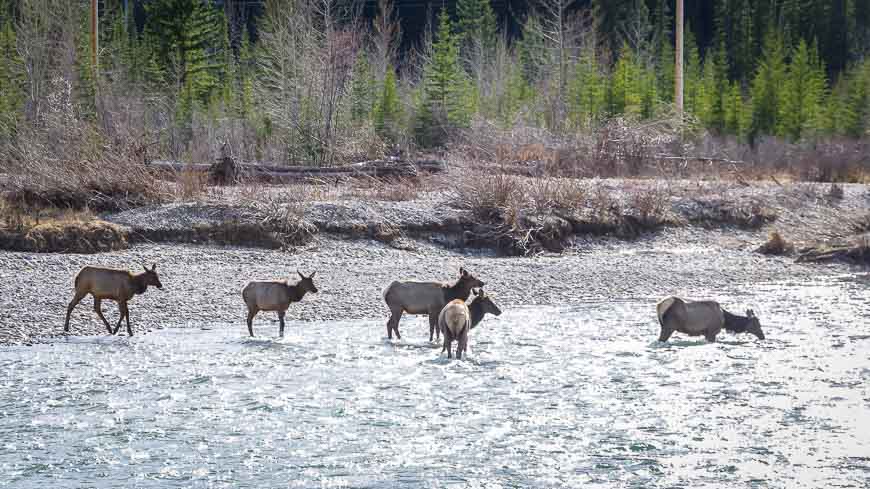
column 487, row 196
column 650, row 206
column 66, row 162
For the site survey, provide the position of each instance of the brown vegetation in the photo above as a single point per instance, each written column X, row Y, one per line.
column 58, row 231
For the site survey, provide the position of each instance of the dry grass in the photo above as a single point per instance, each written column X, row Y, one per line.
column 54, row 230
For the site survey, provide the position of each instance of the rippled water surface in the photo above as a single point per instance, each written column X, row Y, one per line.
column 549, row 397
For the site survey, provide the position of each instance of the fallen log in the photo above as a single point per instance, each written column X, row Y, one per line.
column 290, row 174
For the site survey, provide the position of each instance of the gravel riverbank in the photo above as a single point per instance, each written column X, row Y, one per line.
column 202, row 283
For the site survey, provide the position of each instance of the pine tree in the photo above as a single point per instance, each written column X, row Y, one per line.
column 800, row 108
column 587, row 93
column 448, row 94
column 362, row 89
column 665, row 56
column 11, row 78
column 388, row 110
column 766, row 87
column 476, row 25
column 692, row 73
column 625, row 94
column 186, row 34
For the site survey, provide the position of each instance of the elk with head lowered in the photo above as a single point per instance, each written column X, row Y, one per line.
column 116, row 285
column 275, row 295
column 707, row 318
column 425, row 298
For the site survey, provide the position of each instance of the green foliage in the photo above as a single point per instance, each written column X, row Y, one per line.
column 476, row 27
column 448, row 94
column 362, row 89
column 626, row 94
column 532, row 50
column 587, row 93
column 12, row 79
column 388, row 110
column 800, row 109
column 766, row 87
column 188, row 42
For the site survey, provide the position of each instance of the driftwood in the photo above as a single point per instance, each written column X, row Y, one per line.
column 857, row 254
column 226, row 171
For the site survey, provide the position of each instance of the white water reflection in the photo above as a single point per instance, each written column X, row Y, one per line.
column 549, row 397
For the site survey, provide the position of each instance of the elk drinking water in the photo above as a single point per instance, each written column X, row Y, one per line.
column 705, row 318
column 117, row 285
column 276, row 295
column 425, row 298
column 457, row 319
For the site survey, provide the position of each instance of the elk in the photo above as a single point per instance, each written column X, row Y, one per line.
column 117, row 285
column 457, row 319
column 425, row 298
column 707, row 318
column 275, row 295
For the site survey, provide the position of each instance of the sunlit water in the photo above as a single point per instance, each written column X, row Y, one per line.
column 549, row 397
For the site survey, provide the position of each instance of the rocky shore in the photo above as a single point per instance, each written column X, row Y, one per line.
column 359, row 246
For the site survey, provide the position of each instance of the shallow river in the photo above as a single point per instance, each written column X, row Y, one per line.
column 548, row 397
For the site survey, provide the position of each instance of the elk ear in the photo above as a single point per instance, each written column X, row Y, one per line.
column 145, row 267
column 300, row 274
column 312, row 274
column 153, row 267
column 462, row 271
column 476, row 292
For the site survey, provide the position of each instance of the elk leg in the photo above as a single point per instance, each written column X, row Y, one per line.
column 281, row 322
column 125, row 312
column 72, row 305
column 463, row 340
column 99, row 310
column 711, row 337
column 665, row 334
column 251, row 314
column 393, row 324
column 433, row 326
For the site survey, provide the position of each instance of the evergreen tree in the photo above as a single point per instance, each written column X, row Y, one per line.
column 388, row 110
column 766, row 87
column 587, row 93
column 665, row 57
column 476, row 25
column 187, row 37
column 800, row 107
column 625, row 94
column 362, row 89
column 448, row 95
column 11, row 76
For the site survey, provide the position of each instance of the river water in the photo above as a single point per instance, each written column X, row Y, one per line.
column 580, row 395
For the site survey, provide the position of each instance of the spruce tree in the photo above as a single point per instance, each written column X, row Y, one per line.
column 448, row 94
column 766, row 87
column 388, row 110
column 802, row 94
column 11, row 78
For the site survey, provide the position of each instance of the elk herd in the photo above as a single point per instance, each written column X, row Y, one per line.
column 446, row 305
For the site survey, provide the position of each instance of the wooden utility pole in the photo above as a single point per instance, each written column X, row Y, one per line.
column 95, row 35
column 678, row 78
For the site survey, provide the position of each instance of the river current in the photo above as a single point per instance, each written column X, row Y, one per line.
column 580, row 395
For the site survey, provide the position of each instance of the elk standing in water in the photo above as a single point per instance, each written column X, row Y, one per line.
column 425, row 298
column 276, row 295
column 457, row 319
column 116, row 285
column 705, row 318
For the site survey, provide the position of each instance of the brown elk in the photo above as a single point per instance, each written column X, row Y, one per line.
column 111, row 284
column 707, row 318
column 275, row 295
column 457, row 319
column 425, row 298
